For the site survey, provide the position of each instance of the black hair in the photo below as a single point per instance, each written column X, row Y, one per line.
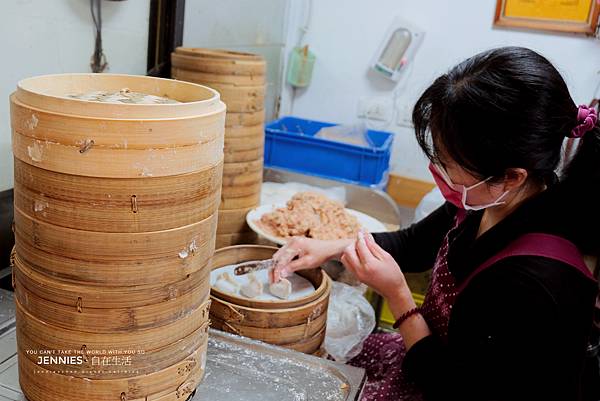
column 510, row 108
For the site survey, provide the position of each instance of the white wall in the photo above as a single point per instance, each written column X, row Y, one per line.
column 255, row 26
column 345, row 34
column 56, row 36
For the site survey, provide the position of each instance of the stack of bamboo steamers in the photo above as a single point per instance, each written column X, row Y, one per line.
column 115, row 222
column 240, row 79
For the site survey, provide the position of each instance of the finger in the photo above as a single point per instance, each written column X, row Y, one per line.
column 352, row 258
column 375, row 249
column 364, row 253
column 301, row 263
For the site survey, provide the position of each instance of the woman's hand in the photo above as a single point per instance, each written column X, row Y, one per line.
column 305, row 253
column 376, row 268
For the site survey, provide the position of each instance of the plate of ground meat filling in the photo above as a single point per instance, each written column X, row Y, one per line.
column 312, row 215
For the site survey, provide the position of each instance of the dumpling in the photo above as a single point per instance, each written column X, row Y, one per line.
column 252, row 288
column 281, row 289
column 226, row 283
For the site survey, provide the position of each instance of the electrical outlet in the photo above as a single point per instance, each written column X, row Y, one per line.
column 375, row 108
column 404, row 118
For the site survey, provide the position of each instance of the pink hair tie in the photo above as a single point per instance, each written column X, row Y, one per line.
column 586, row 119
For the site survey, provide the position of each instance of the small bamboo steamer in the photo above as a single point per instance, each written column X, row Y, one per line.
column 244, row 119
column 117, row 205
column 233, row 221
column 225, row 240
column 220, row 54
column 56, row 337
column 40, row 384
column 296, row 324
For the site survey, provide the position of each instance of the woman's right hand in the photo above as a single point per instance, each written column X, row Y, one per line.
column 301, row 253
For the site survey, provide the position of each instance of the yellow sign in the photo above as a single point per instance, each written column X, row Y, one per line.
column 563, row 10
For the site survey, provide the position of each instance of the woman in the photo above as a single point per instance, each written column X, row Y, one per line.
column 508, row 314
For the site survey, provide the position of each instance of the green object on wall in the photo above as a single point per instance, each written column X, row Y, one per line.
column 300, row 67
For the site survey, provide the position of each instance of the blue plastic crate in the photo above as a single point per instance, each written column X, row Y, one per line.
column 290, row 144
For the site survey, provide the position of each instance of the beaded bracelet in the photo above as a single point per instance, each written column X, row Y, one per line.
column 406, row 315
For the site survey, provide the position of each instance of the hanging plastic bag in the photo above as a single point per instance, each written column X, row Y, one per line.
column 428, row 204
column 350, row 320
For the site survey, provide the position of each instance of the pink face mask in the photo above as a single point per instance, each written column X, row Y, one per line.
column 457, row 194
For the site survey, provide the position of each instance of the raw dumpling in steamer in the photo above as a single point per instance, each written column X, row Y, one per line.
column 281, row 289
column 226, row 283
column 252, row 288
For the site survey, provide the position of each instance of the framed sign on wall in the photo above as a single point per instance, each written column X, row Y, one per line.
column 575, row 16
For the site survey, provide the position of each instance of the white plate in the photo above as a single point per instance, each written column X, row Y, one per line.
column 301, row 287
column 367, row 222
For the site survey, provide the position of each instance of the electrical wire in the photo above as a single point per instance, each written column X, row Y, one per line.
column 307, row 20
column 98, row 61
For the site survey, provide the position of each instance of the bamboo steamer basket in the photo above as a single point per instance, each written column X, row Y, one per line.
column 233, row 221
column 117, row 272
column 240, row 202
column 296, row 324
column 233, row 155
column 244, row 119
column 114, row 205
column 115, row 222
column 225, row 240
column 155, row 338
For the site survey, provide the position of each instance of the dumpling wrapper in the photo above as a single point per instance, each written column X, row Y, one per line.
column 253, row 288
column 225, row 283
column 281, row 289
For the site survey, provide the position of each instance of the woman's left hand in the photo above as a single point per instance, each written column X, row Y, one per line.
column 375, row 267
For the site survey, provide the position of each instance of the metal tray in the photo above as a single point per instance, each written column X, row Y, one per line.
column 247, row 370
